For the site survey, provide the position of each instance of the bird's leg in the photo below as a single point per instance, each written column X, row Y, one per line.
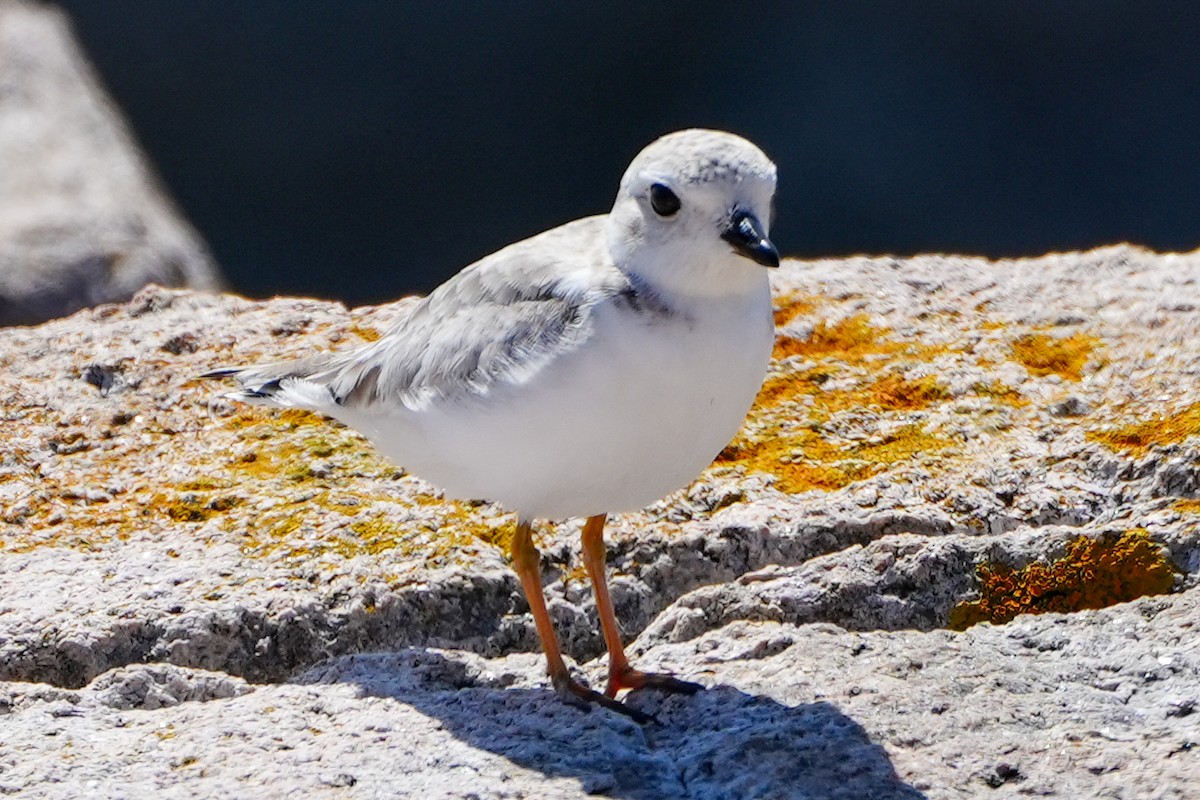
column 526, row 562
column 620, row 674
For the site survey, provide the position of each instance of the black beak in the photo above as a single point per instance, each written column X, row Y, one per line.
column 746, row 235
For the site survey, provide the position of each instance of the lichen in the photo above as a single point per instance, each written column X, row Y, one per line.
column 846, row 366
column 1138, row 437
column 1187, row 505
column 895, row 392
column 192, row 506
column 1000, row 392
column 1043, row 354
column 788, row 307
column 849, row 339
column 298, row 417
column 1094, row 573
column 802, row 460
column 365, row 333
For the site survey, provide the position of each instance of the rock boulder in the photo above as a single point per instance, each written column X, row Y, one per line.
column 953, row 553
column 83, row 218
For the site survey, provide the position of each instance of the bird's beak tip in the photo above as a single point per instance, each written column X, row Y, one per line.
column 748, row 238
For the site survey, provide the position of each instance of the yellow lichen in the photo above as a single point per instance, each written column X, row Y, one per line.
column 891, row 392
column 319, row 446
column 1043, row 354
column 788, row 307
column 803, row 460
column 297, row 417
column 372, row 536
column 201, row 484
column 192, row 507
column 1001, row 392
column 1094, row 573
column 800, row 456
column 895, row 393
column 1187, row 505
column 849, row 339
column 500, row 536
column 1138, row 437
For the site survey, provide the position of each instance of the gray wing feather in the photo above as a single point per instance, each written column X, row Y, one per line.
column 498, row 320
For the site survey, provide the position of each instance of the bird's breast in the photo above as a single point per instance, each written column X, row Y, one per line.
column 636, row 411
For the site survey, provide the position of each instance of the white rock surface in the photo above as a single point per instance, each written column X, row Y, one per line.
column 189, row 587
column 1100, row 704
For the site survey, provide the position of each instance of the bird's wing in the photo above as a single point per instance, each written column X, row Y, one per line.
column 497, row 322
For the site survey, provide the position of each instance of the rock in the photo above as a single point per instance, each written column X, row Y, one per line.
column 792, row 711
column 152, row 686
column 1070, row 406
column 83, row 219
column 908, row 576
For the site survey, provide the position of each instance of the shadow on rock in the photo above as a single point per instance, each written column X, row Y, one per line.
column 719, row 743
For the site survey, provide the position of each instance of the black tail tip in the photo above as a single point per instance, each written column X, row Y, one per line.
column 226, row 372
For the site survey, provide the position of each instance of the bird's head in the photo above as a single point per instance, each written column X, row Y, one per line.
column 693, row 214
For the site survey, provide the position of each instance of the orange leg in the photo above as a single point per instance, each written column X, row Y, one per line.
column 526, row 562
column 620, row 674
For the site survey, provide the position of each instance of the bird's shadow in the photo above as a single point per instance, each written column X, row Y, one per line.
column 721, row 742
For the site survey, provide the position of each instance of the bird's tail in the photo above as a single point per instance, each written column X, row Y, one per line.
column 286, row 385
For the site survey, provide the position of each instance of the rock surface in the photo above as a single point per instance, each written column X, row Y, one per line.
column 189, row 586
column 82, row 218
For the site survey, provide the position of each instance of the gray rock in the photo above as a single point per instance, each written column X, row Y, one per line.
column 205, row 600
column 151, row 686
column 1070, row 406
column 83, row 219
column 1086, row 705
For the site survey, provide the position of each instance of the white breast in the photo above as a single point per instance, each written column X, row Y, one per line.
column 637, row 412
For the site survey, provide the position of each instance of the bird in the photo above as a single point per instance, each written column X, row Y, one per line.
column 591, row 369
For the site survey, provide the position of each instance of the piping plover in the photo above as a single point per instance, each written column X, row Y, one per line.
column 587, row 370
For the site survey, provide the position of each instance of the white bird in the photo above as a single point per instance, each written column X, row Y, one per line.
column 588, row 370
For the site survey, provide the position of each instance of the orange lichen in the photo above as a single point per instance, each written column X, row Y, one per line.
column 1138, row 437
column 1094, row 573
column 272, row 460
column 1187, row 505
column 800, row 456
column 894, row 392
column 782, row 388
column 800, row 461
column 368, row 334
column 891, row 392
column 1000, row 392
column 1043, row 354
column 804, row 460
column 848, row 339
column 788, row 307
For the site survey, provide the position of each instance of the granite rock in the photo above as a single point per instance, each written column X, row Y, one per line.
column 200, row 597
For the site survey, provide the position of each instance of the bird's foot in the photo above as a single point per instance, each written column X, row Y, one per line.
column 578, row 695
column 630, row 678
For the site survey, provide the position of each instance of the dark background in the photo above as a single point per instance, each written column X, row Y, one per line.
column 364, row 150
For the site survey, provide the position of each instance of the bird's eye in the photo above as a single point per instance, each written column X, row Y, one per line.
column 664, row 202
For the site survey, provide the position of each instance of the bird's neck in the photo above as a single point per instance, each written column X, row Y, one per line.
column 699, row 276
